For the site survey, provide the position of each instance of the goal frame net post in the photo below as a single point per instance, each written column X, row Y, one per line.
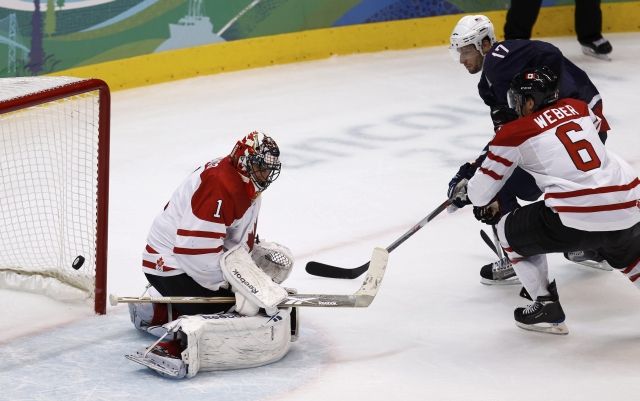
column 53, row 211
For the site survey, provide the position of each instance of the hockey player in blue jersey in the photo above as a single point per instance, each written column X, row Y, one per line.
column 474, row 45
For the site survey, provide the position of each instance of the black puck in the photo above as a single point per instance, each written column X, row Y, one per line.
column 78, row 262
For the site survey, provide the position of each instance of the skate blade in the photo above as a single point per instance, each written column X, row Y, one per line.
column 161, row 369
column 510, row 281
column 587, row 51
column 550, row 328
column 595, row 265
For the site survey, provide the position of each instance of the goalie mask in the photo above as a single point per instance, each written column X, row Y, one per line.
column 257, row 157
column 538, row 84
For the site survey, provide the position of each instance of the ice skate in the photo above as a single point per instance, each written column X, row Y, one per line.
column 589, row 258
column 598, row 48
column 545, row 315
column 163, row 357
column 498, row 273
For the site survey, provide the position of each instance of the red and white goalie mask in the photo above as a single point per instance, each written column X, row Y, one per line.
column 257, row 157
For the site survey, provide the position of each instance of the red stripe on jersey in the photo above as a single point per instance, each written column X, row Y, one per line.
column 498, row 159
column 591, row 209
column 196, row 251
column 508, row 249
column 597, row 110
column 149, row 249
column 634, row 277
column 631, row 266
column 593, row 191
column 201, row 234
column 490, row 173
column 521, row 130
column 154, row 266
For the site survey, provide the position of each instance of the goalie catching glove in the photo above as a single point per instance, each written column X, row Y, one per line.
column 253, row 288
column 274, row 259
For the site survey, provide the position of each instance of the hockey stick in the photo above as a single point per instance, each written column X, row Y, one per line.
column 489, row 242
column 324, row 270
column 360, row 299
column 501, row 254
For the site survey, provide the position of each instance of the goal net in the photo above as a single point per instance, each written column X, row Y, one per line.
column 54, row 181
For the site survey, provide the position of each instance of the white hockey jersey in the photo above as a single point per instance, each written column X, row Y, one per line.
column 589, row 187
column 213, row 210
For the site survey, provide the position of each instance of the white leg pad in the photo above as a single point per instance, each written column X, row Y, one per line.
column 232, row 341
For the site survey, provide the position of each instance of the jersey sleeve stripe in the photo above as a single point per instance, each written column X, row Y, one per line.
column 599, row 208
column 498, row 159
column 490, row 173
column 593, row 191
column 150, row 250
column 196, row 251
column 201, row 234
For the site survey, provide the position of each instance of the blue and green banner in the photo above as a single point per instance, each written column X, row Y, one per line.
column 44, row 36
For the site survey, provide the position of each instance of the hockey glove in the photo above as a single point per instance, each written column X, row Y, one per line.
column 457, row 191
column 501, row 115
column 489, row 214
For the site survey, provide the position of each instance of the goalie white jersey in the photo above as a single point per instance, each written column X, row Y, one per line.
column 213, row 210
column 589, row 187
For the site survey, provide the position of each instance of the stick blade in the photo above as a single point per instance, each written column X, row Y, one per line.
column 324, row 270
column 375, row 274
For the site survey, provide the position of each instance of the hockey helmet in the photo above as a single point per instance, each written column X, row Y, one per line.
column 471, row 30
column 257, row 157
column 539, row 84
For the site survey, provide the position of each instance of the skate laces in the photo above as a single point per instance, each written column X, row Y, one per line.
column 501, row 265
column 532, row 308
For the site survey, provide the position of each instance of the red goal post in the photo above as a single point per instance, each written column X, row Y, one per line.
column 54, row 186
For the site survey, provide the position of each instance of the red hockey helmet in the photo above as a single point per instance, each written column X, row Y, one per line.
column 257, row 157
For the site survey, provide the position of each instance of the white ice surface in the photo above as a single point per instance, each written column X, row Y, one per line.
column 369, row 143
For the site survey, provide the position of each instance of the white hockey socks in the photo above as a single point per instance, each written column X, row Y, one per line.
column 253, row 288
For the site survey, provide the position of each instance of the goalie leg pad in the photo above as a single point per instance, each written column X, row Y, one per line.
column 149, row 317
column 274, row 259
column 232, row 341
column 251, row 284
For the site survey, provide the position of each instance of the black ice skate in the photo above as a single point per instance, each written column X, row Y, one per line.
column 589, row 258
column 498, row 273
column 598, row 48
column 545, row 315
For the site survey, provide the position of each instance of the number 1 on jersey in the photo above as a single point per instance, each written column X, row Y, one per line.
column 217, row 213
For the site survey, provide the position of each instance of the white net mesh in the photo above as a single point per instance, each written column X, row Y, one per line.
column 48, row 186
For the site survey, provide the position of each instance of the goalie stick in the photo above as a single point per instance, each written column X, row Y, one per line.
column 324, row 270
column 360, row 299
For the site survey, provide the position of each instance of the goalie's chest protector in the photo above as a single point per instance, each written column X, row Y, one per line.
column 212, row 210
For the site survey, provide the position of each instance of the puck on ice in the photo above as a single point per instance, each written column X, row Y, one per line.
column 78, row 262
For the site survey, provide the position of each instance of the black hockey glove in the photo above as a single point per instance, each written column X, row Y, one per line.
column 501, row 115
column 489, row 214
column 457, row 191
